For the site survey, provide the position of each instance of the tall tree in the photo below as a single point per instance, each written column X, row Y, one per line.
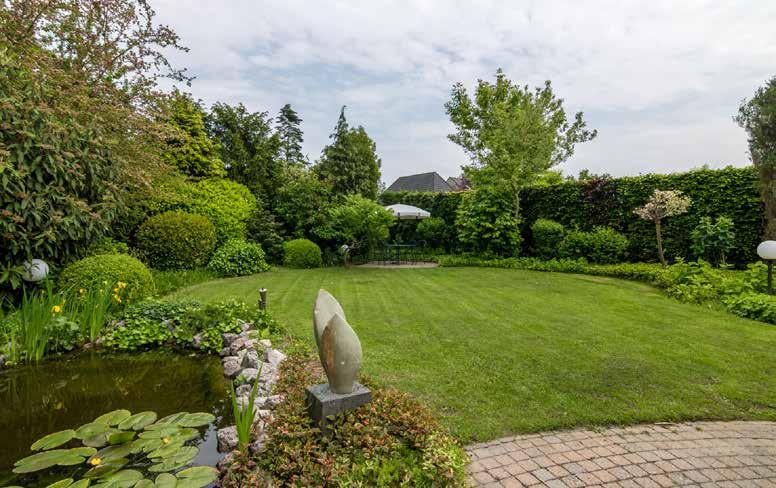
column 350, row 163
column 250, row 149
column 512, row 134
column 291, row 137
column 189, row 148
column 758, row 117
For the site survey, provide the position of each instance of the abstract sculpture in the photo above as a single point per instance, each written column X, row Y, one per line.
column 340, row 352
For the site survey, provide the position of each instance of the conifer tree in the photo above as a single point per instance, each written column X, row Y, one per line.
column 291, row 136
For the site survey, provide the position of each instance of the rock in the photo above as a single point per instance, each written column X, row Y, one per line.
column 266, row 343
column 245, row 326
column 231, row 366
column 241, row 343
column 269, row 402
column 228, row 338
column 243, row 390
column 249, row 375
column 196, row 341
column 227, row 438
column 251, row 360
column 223, row 464
column 274, row 357
column 225, row 351
column 241, row 354
column 259, row 444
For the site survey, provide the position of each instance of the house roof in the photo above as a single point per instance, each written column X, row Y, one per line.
column 431, row 182
column 458, row 183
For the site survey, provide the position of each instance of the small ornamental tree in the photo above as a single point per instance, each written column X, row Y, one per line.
column 361, row 223
column 660, row 205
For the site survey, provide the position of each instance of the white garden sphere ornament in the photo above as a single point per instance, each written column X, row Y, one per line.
column 35, row 270
column 767, row 250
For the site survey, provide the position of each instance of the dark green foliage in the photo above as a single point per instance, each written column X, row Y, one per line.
column 486, row 222
column 301, row 253
column 108, row 270
column 188, row 146
column 432, row 231
column 730, row 191
column 393, row 441
column 303, row 203
column 57, row 167
column 287, row 126
column 176, row 240
column 248, row 147
column 758, row 117
column 106, row 245
column 600, row 245
column 713, row 240
column 360, row 223
column 547, row 236
column 262, row 229
column 440, row 205
column 350, row 163
column 238, row 258
column 177, row 322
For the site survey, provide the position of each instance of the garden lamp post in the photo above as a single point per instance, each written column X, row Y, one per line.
column 263, row 299
column 35, row 270
column 767, row 251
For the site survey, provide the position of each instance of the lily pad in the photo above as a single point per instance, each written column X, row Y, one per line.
column 144, row 484
column 92, row 430
column 183, row 457
column 170, row 419
column 106, row 468
column 61, row 483
column 196, row 477
column 47, row 459
column 166, row 480
column 196, row 419
column 120, row 437
column 113, row 418
column 121, row 479
column 166, row 431
column 80, row 484
column 53, row 440
column 111, row 452
column 138, row 421
column 82, row 451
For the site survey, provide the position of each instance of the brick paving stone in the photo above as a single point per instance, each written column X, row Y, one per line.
column 713, row 454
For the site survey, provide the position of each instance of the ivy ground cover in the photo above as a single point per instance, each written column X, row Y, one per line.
column 498, row 351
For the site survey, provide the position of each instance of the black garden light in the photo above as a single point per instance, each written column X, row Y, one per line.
column 767, row 251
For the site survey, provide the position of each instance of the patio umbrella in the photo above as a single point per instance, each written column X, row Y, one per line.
column 408, row 212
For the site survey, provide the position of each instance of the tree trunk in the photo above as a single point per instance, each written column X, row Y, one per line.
column 659, row 235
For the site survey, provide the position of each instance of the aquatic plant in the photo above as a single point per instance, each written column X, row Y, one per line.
column 39, row 309
column 92, row 307
column 243, row 416
column 120, row 449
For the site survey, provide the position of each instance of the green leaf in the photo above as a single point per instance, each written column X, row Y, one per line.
column 111, row 452
column 61, row 483
column 144, row 484
column 53, row 440
column 80, row 484
column 183, row 457
column 113, row 418
column 83, row 451
column 196, row 419
column 121, row 479
column 46, row 459
column 166, row 480
column 197, row 477
column 138, row 421
column 92, row 430
column 106, row 468
column 120, row 437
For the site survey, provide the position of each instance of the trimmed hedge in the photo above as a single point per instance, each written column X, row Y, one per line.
column 238, row 258
column 97, row 271
column 302, row 253
column 601, row 245
column 610, row 202
column 176, row 240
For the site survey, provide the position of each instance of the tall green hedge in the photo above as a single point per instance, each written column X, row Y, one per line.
column 610, row 202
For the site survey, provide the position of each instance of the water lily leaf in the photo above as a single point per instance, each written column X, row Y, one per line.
column 80, row 484
column 61, row 483
column 196, row 419
column 197, row 477
column 170, row 419
column 166, row 450
column 120, row 437
column 144, row 484
column 138, row 421
column 167, row 431
column 53, row 440
column 121, row 479
column 106, row 468
column 110, row 453
column 186, row 434
column 183, row 457
column 92, row 430
column 147, row 445
column 113, row 418
column 82, row 451
column 166, row 480
column 46, row 459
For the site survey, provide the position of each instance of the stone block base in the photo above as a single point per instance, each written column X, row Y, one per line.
column 323, row 403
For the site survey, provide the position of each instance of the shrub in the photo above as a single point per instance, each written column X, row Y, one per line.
column 431, row 230
column 106, row 245
column 238, row 258
column 262, row 229
column 97, row 271
column 602, row 245
column 713, row 240
column 301, row 253
column 227, row 204
column 176, row 240
column 547, row 236
column 393, row 441
column 486, row 222
column 359, row 222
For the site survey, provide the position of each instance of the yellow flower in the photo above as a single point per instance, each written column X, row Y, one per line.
column 116, row 290
column 117, row 298
column 56, row 309
column 166, row 440
column 82, row 291
column 95, row 461
column 122, row 285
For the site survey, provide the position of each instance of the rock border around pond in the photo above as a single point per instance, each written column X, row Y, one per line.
column 245, row 358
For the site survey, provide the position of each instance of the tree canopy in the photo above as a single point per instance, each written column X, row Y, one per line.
column 288, row 127
column 188, row 146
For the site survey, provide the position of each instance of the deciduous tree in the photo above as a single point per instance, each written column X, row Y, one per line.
column 660, row 205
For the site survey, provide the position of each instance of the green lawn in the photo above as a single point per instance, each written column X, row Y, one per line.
column 498, row 351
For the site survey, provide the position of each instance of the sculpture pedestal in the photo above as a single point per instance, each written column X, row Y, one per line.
column 322, row 402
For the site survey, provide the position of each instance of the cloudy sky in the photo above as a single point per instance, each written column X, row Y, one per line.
column 659, row 79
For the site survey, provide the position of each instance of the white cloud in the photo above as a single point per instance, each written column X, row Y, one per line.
column 659, row 79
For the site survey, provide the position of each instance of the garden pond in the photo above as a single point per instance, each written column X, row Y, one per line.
column 54, row 395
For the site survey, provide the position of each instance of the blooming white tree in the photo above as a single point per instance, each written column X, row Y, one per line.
column 662, row 204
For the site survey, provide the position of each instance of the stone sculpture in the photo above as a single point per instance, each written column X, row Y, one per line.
column 340, row 353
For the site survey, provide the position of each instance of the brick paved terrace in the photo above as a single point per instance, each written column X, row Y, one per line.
column 708, row 454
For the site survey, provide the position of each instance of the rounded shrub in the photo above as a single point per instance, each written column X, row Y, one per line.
column 226, row 203
column 601, row 245
column 431, row 230
column 176, row 240
column 109, row 269
column 238, row 258
column 302, row 253
column 547, row 236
